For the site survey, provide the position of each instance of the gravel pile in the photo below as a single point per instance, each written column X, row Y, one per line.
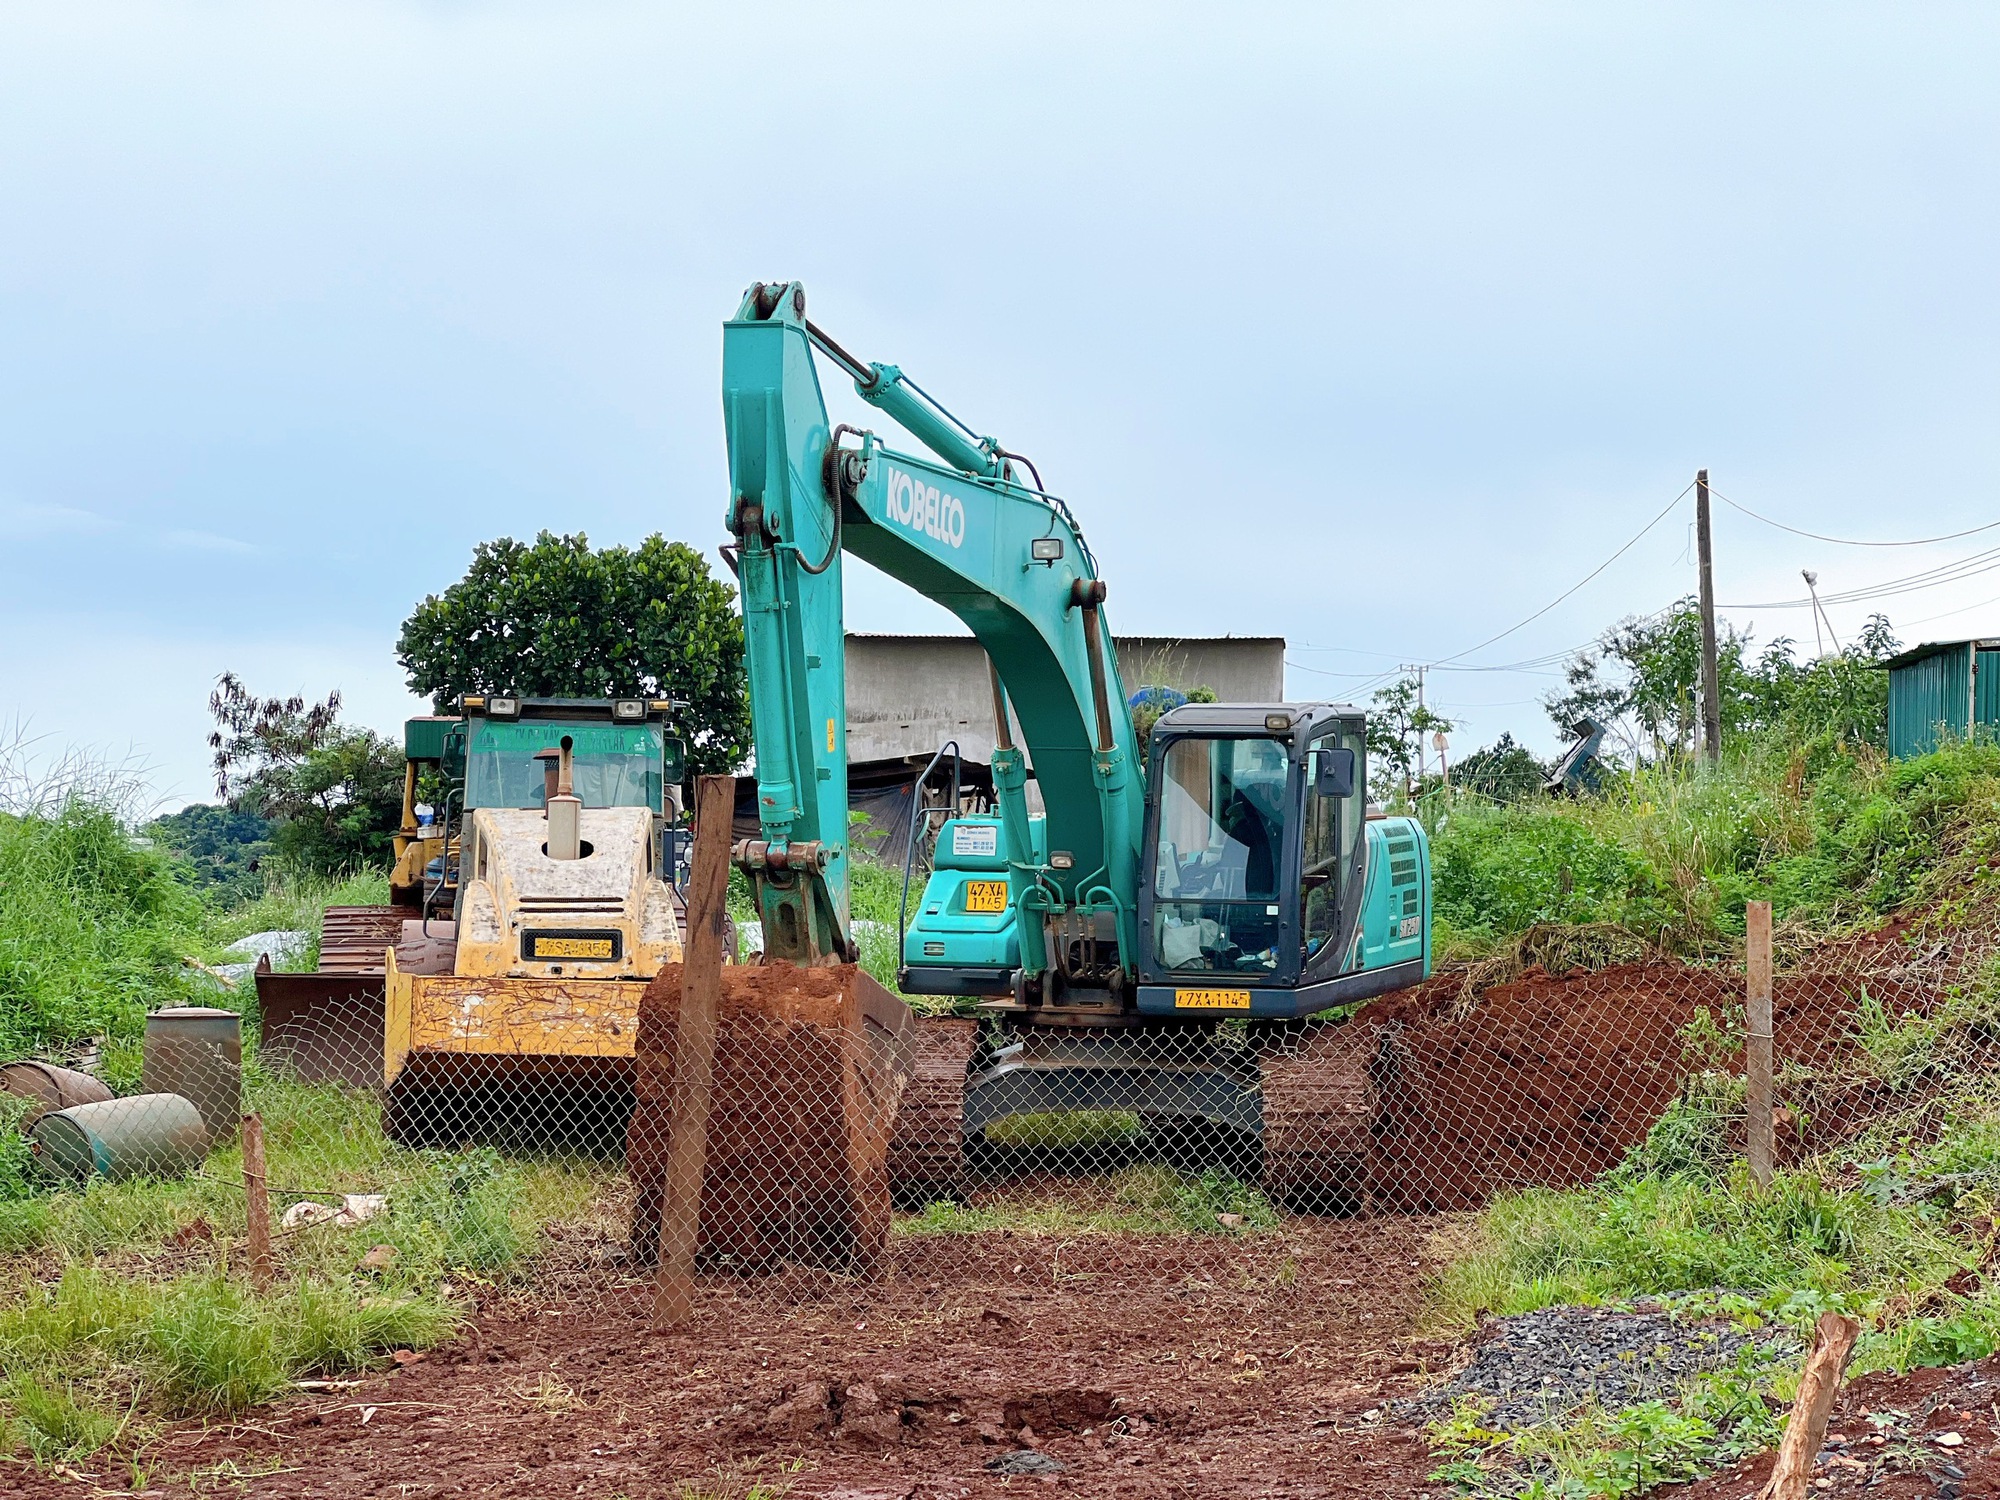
column 1545, row 1364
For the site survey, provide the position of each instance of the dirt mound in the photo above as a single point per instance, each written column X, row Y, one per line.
column 1549, row 1079
column 809, row 1067
column 1544, row 1080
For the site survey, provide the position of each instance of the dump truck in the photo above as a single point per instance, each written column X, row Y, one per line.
column 1169, row 935
column 501, row 992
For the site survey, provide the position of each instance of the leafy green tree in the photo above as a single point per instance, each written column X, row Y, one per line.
column 1397, row 730
column 1503, row 771
column 558, row 619
column 333, row 793
column 223, row 845
column 1642, row 680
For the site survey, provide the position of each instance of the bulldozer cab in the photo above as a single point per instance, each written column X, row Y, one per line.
column 613, row 765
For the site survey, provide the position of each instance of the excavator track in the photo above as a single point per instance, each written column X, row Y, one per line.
column 1319, row 1107
column 927, row 1151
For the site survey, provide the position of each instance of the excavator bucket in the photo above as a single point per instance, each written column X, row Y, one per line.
column 810, row 1069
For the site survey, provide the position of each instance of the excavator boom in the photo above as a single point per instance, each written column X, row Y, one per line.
column 967, row 532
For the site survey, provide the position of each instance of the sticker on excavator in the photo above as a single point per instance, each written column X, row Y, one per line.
column 977, row 839
column 547, row 945
column 1211, row 999
column 986, row 895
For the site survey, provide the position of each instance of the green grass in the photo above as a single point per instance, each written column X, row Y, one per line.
column 106, row 1354
column 1145, row 1200
column 1670, row 853
column 93, row 1351
column 296, row 903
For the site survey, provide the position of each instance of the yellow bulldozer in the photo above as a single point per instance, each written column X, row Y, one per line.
column 498, row 999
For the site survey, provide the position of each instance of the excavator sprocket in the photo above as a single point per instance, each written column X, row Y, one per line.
column 927, row 1152
column 1319, row 1107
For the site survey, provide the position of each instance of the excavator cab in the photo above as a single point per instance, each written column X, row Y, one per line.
column 1268, row 890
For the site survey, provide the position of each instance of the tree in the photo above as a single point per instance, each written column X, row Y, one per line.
column 224, row 846
column 557, row 619
column 1395, row 736
column 333, row 793
column 1503, row 771
column 1642, row 681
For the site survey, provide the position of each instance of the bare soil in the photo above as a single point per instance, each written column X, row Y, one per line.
column 1895, row 1437
column 1197, row 1365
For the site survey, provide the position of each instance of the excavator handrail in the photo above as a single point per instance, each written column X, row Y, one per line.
column 918, row 813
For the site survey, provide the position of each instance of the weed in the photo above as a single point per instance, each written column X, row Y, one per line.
column 736, row 1482
column 214, row 1349
column 1140, row 1200
column 1692, row 1137
column 56, row 1425
column 335, row 1327
column 1595, row 1454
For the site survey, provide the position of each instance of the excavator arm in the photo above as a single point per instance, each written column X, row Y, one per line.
column 963, row 528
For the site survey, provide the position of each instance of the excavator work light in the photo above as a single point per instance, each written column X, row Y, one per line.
column 1278, row 723
column 1046, row 549
column 503, row 708
column 628, row 708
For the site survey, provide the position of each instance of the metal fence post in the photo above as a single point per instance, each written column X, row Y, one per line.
column 1757, row 1040
column 694, row 1050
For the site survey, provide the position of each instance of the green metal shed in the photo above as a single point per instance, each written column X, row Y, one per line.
column 1942, row 689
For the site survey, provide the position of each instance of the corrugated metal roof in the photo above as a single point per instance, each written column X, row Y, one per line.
column 1931, row 648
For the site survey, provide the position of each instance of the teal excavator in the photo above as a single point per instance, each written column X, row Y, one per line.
column 1175, row 942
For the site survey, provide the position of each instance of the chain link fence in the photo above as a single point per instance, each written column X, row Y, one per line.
column 848, row 1141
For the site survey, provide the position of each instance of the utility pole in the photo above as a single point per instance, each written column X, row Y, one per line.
column 1414, row 728
column 1711, row 687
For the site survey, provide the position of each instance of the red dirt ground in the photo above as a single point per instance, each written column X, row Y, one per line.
column 1892, row 1437
column 1197, row 1366
column 1192, row 1366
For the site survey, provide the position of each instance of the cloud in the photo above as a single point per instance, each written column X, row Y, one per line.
column 206, row 541
column 21, row 521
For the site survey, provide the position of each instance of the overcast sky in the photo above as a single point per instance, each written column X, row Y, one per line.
column 1375, row 327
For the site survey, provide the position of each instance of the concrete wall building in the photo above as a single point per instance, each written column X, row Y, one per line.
column 908, row 694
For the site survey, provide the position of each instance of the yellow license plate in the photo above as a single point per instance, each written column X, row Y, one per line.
column 558, row 947
column 1211, row 999
column 986, row 895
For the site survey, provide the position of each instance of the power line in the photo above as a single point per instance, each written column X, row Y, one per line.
column 1578, row 584
column 1842, row 541
column 1930, row 578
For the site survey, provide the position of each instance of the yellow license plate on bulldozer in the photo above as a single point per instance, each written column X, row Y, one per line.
column 986, row 895
column 572, row 947
column 1211, row 999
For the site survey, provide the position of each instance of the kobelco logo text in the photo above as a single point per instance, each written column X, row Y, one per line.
column 924, row 507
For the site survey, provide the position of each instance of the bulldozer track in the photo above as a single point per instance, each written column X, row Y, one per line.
column 927, row 1151
column 1319, row 1109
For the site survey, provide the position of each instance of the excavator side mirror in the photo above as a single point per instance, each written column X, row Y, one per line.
column 673, row 761
column 1334, row 775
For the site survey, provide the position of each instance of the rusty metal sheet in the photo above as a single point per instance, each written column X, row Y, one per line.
column 322, row 1028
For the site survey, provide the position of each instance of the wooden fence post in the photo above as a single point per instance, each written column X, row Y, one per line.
column 1818, row 1385
column 694, row 1050
column 1757, row 1040
column 257, row 1202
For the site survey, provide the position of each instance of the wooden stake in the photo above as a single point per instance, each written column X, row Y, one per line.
column 1757, row 1040
column 257, row 1202
column 1818, row 1385
column 1711, row 687
column 694, row 1050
